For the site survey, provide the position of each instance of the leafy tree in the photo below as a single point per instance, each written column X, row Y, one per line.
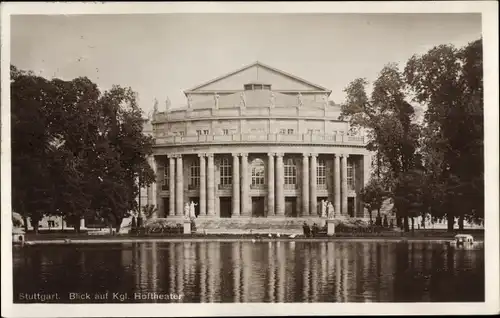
column 449, row 81
column 389, row 122
column 373, row 196
column 149, row 211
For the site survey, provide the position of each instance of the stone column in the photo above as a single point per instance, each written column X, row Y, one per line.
column 171, row 184
column 270, row 185
column 244, row 185
column 210, row 185
column 82, row 223
column 313, row 186
column 280, row 181
column 236, row 186
column 344, row 184
column 336, row 184
column 305, row 185
column 179, row 187
column 203, row 185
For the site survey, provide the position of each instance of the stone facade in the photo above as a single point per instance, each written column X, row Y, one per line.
column 258, row 142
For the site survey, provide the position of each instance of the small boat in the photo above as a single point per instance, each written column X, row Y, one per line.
column 463, row 240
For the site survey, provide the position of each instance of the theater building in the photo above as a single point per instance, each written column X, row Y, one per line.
column 258, row 142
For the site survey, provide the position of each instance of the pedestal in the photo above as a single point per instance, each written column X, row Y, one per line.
column 330, row 227
column 187, row 227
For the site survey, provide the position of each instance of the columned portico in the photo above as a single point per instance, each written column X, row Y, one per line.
column 305, row 184
column 312, row 185
column 179, row 187
column 203, row 185
column 336, row 184
column 270, row 185
column 236, row 186
column 280, row 180
column 344, row 183
column 171, row 185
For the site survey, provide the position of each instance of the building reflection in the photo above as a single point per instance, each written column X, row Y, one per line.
column 291, row 271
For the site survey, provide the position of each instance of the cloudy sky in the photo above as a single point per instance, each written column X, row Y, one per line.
column 162, row 55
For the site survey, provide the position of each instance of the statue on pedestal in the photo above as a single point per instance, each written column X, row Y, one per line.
column 216, row 100
column 192, row 214
column 186, row 210
column 299, row 99
column 243, row 100
column 272, row 100
column 167, row 104
column 155, row 107
column 331, row 211
column 323, row 208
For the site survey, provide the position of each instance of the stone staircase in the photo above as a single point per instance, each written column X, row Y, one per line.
column 246, row 225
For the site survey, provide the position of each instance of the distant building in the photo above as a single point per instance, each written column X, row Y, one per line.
column 258, row 142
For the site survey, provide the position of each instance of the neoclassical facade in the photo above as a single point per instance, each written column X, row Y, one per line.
column 258, row 142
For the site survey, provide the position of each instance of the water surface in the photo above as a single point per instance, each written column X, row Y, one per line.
column 249, row 272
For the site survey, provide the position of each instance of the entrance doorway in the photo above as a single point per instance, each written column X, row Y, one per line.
column 166, row 206
column 225, row 207
column 350, row 206
column 196, row 201
column 291, row 206
column 258, row 207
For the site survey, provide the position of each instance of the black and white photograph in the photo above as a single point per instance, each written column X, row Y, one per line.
column 238, row 155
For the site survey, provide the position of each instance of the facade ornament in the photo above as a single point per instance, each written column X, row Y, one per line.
column 299, row 99
column 155, row 107
column 325, row 101
column 216, row 100
column 272, row 100
column 167, row 104
column 243, row 99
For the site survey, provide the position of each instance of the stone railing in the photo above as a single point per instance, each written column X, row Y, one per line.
column 261, row 138
column 237, row 112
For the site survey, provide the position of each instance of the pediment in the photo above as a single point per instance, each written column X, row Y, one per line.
column 259, row 98
column 258, row 72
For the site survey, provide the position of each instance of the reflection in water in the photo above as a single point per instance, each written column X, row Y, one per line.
column 256, row 272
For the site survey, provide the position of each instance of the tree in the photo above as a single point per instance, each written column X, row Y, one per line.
column 76, row 152
column 449, row 81
column 373, row 196
column 149, row 211
column 389, row 121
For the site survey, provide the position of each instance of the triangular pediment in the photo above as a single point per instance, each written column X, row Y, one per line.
column 258, row 73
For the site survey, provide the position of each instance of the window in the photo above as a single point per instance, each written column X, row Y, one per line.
column 290, row 131
column 51, row 223
column 282, row 131
column 225, row 131
column 194, row 176
column 205, row 132
column 225, row 172
column 198, row 132
column 258, row 173
column 166, row 170
column 321, row 174
column 350, row 175
column 290, row 173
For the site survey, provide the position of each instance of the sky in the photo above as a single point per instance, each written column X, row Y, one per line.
column 161, row 55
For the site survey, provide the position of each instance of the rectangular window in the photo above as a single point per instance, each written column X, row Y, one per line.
column 290, row 173
column 198, row 132
column 290, row 131
column 205, row 132
column 226, row 172
column 282, row 131
column 166, row 182
column 225, row 131
column 321, row 174
column 350, row 175
column 194, row 176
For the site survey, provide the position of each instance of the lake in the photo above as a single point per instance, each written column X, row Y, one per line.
column 219, row 271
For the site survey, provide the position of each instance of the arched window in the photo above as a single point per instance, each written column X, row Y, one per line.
column 290, row 173
column 258, row 173
column 194, row 175
column 321, row 174
column 226, row 172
